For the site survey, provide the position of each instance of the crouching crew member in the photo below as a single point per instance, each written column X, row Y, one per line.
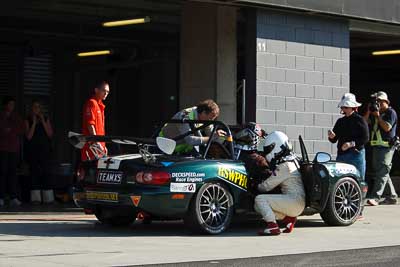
column 291, row 202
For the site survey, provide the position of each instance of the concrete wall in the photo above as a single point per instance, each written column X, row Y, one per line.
column 208, row 57
column 302, row 71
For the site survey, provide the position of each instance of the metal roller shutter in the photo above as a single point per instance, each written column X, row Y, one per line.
column 8, row 71
column 38, row 75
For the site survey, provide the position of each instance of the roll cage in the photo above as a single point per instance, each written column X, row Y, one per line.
column 198, row 125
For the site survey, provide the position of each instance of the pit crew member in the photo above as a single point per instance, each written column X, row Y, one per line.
column 291, row 202
column 205, row 110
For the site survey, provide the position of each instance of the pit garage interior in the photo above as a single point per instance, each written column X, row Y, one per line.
column 370, row 73
column 38, row 60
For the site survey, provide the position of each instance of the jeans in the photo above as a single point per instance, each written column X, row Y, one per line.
column 381, row 165
column 8, row 174
column 355, row 158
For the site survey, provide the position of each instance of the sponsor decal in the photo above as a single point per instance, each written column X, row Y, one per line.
column 108, row 162
column 342, row 168
column 187, row 174
column 188, row 177
column 183, row 187
column 136, row 200
column 109, row 177
column 112, row 163
column 233, row 176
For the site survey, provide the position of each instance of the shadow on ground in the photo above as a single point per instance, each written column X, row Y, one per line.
column 92, row 228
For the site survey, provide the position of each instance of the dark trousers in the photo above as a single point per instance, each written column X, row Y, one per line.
column 8, row 174
column 39, row 174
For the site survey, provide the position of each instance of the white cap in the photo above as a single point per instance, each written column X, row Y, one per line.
column 348, row 100
column 382, row 96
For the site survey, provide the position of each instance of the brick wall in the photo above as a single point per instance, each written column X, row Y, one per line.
column 302, row 72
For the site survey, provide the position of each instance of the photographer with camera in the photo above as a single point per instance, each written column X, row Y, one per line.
column 382, row 122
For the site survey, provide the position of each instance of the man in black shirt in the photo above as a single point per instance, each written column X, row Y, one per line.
column 383, row 125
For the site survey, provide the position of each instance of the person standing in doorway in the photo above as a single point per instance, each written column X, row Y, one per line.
column 93, row 122
column 11, row 129
column 382, row 121
column 37, row 153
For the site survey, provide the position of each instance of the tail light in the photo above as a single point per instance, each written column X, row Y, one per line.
column 80, row 173
column 153, row 178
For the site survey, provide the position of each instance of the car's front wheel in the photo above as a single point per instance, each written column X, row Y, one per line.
column 113, row 217
column 211, row 210
column 344, row 203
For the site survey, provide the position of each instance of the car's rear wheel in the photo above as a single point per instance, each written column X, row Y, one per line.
column 344, row 203
column 114, row 217
column 211, row 210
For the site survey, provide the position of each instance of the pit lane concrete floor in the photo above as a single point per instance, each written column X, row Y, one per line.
column 75, row 239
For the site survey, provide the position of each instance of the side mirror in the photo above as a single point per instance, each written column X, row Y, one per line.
column 322, row 157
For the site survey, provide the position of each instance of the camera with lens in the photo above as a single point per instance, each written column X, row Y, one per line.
column 373, row 103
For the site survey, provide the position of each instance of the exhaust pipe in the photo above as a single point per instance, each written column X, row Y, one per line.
column 144, row 217
column 88, row 211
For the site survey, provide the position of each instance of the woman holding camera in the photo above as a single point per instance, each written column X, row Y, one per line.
column 351, row 133
column 38, row 148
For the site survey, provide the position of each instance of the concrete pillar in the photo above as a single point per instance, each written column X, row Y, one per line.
column 208, row 57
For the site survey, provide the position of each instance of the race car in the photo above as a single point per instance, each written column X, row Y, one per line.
column 206, row 188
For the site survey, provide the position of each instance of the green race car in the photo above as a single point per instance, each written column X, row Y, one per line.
column 206, row 188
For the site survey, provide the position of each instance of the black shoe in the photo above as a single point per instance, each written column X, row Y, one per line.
column 390, row 201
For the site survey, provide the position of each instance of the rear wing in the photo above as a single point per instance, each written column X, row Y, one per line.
column 164, row 144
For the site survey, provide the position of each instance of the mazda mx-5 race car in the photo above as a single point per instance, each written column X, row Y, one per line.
column 205, row 189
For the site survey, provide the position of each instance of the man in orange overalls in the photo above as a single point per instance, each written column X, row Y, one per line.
column 93, row 122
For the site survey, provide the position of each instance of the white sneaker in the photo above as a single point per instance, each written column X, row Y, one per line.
column 48, row 196
column 1, row 202
column 15, row 202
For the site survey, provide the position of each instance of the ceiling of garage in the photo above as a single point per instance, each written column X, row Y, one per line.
column 81, row 19
column 368, row 72
column 93, row 11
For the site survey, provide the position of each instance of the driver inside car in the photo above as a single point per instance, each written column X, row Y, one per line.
column 206, row 110
column 291, row 202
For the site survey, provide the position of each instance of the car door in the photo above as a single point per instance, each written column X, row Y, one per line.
column 315, row 178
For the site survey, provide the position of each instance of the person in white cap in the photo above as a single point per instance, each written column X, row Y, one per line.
column 351, row 134
column 382, row 122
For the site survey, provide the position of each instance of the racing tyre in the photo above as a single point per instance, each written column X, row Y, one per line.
column 344, row 203
column 107, row 216
column 211, row 210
